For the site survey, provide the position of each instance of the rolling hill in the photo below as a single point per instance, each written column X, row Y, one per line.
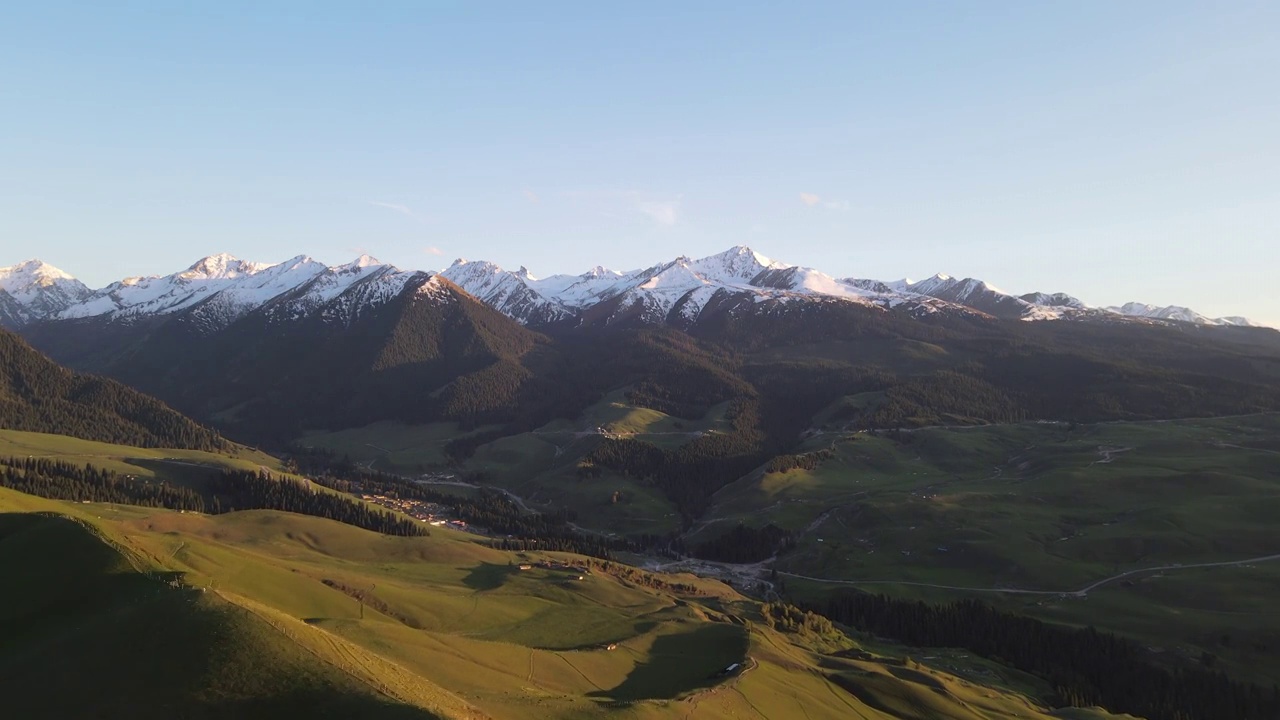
column 267, row 614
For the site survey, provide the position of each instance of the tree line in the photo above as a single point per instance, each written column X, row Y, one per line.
column 60, row 480
column 1085, row 666
column 243, row 490
column 226, row 491
column 745, row 544
column 488, row 509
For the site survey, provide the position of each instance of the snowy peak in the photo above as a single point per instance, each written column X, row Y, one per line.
column 739, row 264
column 35, row 289
column 220, row 267
column 512, row 293
column 35, row 271
column 360, row 264
column 1053, row 300
column 1176, row 313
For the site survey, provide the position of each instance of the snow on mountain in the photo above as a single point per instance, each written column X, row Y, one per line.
column 511, row 293
column 580, row 291
column 1176, row 313
column 737, row 265
column 34, row 290
column 253, row 290
column 972, row 293
column 219, row 289
column 1053, row 300
column 250, row 284
column 13, row 314
column 342, row 292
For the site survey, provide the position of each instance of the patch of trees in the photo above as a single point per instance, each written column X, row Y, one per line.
column 942, row 398
column 36, row 395
column 226, row 492
column 807, row 461
column 789, row 618
column 744, row 544
column 241, row 490
column 636, row 576
column 691, row 474
column 488, row 509
column 59, row 480
column 1085, row 667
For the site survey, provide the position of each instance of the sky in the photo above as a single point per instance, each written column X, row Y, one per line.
column 1115, row 150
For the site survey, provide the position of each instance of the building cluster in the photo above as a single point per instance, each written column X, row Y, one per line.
column 427, row 512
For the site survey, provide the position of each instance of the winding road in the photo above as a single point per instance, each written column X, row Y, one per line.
column 1082, row 592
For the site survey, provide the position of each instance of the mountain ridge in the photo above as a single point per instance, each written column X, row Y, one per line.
column 673, row 292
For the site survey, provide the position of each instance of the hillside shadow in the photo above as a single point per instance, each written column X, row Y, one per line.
column 677, row 664
column 488, row 576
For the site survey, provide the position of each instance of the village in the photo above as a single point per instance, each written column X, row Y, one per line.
column 428, row 512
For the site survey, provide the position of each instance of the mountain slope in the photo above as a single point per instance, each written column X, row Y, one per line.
column 352, row 345
column 39, row 396
column 81, row 640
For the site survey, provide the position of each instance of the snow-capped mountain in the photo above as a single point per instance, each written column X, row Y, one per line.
column 512, row 293
column 342, row 292
column 218, row 290
column 35, row 289
column 232, row 284
column 977, row 294
column 1175, row 312
column 1053, row 300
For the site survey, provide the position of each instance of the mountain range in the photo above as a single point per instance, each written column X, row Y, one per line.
column 220, row 289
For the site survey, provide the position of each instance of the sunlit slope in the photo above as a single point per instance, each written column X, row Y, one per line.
column 151, row 463
column 85, row 634
column 273, row 609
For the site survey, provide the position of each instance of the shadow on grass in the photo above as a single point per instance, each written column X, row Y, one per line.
column 488, row 576
column 677, row 664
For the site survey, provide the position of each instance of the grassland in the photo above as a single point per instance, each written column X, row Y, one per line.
column 147, row 613
column 1048, row 507
column 180, row 467
column 390, row 446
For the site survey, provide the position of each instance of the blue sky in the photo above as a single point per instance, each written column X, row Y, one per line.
column 1116, row 150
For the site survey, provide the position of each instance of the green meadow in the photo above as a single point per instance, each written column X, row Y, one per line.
column 153, row 613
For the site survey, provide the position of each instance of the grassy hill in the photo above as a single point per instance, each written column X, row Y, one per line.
column 271, row 614
column 1045, row 507
column 161, row 464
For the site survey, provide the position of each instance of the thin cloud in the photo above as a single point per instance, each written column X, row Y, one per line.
column 664, row 213
column 812, row 200
column 531, row 196
column 619, row 203
column 402, row 209
column 433, row 250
